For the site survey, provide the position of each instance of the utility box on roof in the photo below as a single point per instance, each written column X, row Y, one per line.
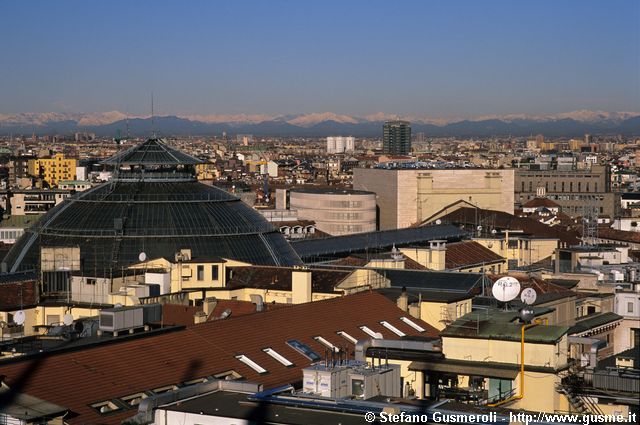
column 121, row 319
column 326, row 381
column 366, row 383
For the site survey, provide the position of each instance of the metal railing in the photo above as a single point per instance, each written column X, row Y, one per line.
column 613, row 380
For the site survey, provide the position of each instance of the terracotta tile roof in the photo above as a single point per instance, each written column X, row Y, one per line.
column 618, row 235
column 241, row 308
column 469, row 253
column 176, row 314
column 76, row 379
column 410, row 264
column 547, row 291
column 540, row 202
column 19, row 292
column 501, row 220
column 280, row 278
column 351, row 261
column 183, row 315
column 357, row 261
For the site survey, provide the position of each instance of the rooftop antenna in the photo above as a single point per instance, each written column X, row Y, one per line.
column 153, row 125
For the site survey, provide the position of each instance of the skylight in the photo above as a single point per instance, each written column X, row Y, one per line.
column 273, row 353
column 392, row 328
column 304, row 349
column 413, row 324
column 253, row 365
column 326, row 343
column 347, row 337
column 370, row 332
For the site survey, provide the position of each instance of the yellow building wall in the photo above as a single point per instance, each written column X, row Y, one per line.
column 439, row 314
column 540, row 393
column 543, row 355
column 525, row 254
column 54, row 169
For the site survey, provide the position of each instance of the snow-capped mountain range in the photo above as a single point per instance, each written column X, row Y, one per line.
column 324, row 123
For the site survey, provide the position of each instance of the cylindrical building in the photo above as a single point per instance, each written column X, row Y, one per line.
column 336, row 211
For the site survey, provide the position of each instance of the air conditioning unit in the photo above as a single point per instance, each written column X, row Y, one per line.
column 121, row 319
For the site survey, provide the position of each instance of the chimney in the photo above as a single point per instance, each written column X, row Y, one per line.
column 438, row 250
column 403, row 300
column 257, row 300
column 199, row 317
column 301, row 286
column 208, row 305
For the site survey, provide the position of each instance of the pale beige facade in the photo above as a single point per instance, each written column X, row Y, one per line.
column 336, row 212
column 407, row 197
column 520, row 250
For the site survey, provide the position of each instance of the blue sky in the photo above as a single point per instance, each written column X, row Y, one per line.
column 436, row 58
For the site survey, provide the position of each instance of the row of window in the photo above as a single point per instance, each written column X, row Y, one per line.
column 306, row 351
column 10, row 234
column 215, row 272
column 563, row 187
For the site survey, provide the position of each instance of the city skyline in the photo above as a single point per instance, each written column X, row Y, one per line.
column 453, row 61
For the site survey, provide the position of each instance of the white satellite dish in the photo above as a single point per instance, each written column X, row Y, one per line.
column 67, row 319
column 438, row 222
column 19, row 318
column 479, row 228
column 3, row 324
column 494, row 231
column 142, row 256
column 506, row 289
column 528, row 296
column 118, row 305
column 379, row 335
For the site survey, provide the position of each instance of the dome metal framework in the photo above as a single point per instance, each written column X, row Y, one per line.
column 158, row 207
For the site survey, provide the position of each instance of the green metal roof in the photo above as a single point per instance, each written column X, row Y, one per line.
column 593, row 321
column 503, row 325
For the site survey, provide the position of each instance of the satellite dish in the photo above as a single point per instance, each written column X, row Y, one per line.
column 142, row 256
column 506, row 289
column 494, row 231
column 479, row 228
column 117, row 305
column 438, row 222
column 67, row 319
column 528, row 296
column 379, row 335
column 19, row 317
column 3, row 324
column 78, row 326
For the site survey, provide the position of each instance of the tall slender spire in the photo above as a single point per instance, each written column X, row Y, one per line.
column 153, row 123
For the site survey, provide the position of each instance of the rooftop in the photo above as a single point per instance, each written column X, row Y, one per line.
column 332, row 191
column 593, row 321
column 502, row 325
column 325, row 248
column 152, row 152
column 469, row 253
column 110, row 371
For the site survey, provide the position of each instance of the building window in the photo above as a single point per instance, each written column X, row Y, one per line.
column 570, row 186
column 630, row 307
column 563, row 186
column 200, row 273
column 91, row 281
column 214, row 272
